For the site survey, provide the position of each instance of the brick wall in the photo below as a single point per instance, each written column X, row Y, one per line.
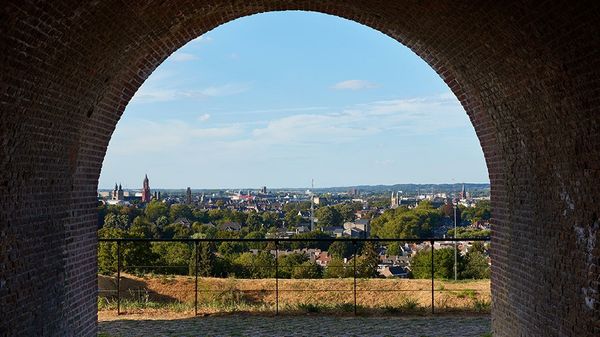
column 527, row 73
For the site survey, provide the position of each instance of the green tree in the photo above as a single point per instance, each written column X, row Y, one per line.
column 174, row 256
column 341, row 249
column 180, row 211
column 155, row 209
column 476, row 266
column 443, row 263
column 329, row 216
column 289, row 263
column 257, row 244
column 307, row 269
column 116, row 221
column 206, row 260
column 366, row 263
column 255, row 266
column 107, row 251
column 347, row 211
column 269, row 219
column 292, row 219
column 254, row 221
column 336, row 268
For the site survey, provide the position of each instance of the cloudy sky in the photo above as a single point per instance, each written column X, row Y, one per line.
column 279, row 98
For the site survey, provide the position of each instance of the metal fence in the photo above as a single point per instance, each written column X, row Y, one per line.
column 277, row 244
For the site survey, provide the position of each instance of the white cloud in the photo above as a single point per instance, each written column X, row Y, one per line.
column 411, row 116
column 143, row 136
column 151, row 95
column 353, row 85
column 204, row 117
column 183, row 57
column 223, row 90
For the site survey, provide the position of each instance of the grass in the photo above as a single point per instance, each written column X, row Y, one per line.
column 296, row 296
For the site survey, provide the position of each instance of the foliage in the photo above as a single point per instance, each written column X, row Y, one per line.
column 341, row 249
column 481, row 211
column 289, row 263
column 443, row 263
column 260, row 265
column 155, row 209
column 476, row 267
column 338, row 269
column 366, row 263
column 405, row 223
column 307, row 269
column 329, row 216
column 469, row 232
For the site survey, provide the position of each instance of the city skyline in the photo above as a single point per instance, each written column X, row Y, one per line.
column 267, row 100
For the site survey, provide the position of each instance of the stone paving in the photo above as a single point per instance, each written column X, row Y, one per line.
column 296, row 326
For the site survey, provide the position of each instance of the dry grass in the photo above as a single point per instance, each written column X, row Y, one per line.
column 175, row 294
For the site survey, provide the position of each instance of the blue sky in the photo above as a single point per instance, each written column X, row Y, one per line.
column 279, row 98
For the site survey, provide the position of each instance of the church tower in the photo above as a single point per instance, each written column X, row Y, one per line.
column 146, row 190
column 188, row 196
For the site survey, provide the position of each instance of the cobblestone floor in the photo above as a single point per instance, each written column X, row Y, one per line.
column 313, row 326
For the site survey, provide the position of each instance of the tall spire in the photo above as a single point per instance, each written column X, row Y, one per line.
column 146, row 189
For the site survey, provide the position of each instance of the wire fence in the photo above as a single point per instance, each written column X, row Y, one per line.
column 264, row 276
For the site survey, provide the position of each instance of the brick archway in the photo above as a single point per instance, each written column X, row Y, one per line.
column 527, row 75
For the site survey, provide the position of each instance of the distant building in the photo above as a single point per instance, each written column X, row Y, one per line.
column 188, row 196
column 395, row 200
column 117, row 194
column 146, row 190
column 463, row 193
column 264, row 190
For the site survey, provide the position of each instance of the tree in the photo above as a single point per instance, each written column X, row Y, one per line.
column 481, row 211
column 255, row 266
column 107, row 251
column 322, row 245
column 142, row 226
column 366, row 263
column 206, row 260
column 269, row 218
column 180, row 211
column 155, row 209
column 341, row 249
column 256, row 244
column 336, row 268
column 347, row 211
column 329, row 216
column 174, row 256
column 307, row 269
column 443, row 263
column 289, row 263
column 116, row 221
column 292, row 218
column 476, row 266
column 254, row 221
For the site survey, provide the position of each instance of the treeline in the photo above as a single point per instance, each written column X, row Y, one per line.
column 473, row 265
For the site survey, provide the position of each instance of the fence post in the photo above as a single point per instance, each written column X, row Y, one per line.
column 118, row 277
column 196, row 284
column 276, row 277
column 432, row 280
column 354, row 261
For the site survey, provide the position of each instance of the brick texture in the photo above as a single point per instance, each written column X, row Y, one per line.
column 526, row 72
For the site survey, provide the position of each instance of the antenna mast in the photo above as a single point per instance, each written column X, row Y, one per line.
column 312, row 205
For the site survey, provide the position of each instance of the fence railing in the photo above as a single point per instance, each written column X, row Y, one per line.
column 275, row 247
